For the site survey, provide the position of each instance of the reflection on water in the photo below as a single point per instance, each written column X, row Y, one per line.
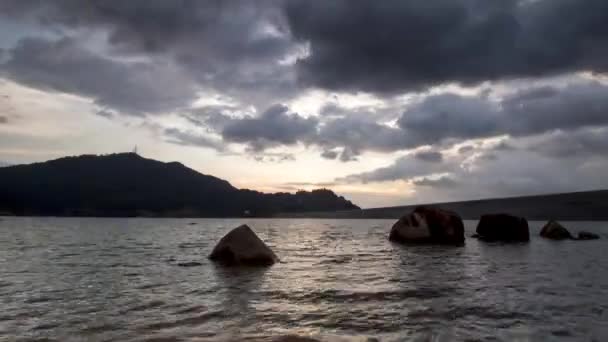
column 75, row 279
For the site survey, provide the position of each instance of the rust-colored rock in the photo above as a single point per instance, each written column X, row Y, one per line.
column 429, row 225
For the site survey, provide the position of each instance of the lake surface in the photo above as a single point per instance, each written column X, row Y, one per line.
column 88, row 279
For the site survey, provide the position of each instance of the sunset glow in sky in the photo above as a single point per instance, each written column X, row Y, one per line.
column 384, row 102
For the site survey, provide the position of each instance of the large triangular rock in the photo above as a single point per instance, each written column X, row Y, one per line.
column 429, row 225
column 242, row 247
column 555, row 231
column 503, row 227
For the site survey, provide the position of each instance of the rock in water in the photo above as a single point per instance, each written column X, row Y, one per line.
column 555, row 231
column 242, row 247
column 429, row 225
column 503, row 227
column 587, row 236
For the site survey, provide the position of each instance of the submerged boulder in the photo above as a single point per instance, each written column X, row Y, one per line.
column 555, row 231
column 503, row 227
column 242, row 247
column 587, row 236
column 429, row 225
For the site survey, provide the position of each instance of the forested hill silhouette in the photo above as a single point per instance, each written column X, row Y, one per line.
column 127, row 184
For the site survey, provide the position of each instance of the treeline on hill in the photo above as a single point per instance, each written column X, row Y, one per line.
column 127, row 184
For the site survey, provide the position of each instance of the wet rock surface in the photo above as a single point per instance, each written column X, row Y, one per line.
column 429, row 225
column 503, row 228
column 242, row 247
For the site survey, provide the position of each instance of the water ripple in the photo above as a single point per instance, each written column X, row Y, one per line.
column 120, row 280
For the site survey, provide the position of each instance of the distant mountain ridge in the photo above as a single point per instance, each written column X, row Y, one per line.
column 127, row 184
column 573, row 206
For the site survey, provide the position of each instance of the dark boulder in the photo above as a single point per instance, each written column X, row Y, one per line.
column 429, row 225
column 503, row 227
column 242, row 247
column 555, row 231
column 587, row 236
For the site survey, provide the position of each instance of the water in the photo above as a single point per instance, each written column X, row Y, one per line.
column 87, row 279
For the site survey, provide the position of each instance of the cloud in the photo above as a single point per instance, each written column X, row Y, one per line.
column 134, row 88
column 436, row 121
column 276, row 126
column 559, row 161
column 580, row 144
column 273, row 157
column 404, row 168
column 3, row 120
column 394, row 46
column 329, row 154
column 357, row 134
column 466, row 149
column 530, row 111
column 235, row 47
column 441, row 182
column 186, row 138
column 429, row 156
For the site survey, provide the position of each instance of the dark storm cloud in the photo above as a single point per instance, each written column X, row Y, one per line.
column 392, row 46
column 429, row 156
column 527, row 112
column 231, row 47
column 359, row 134
column 436, row 121
column 445, row 119
column 584, row 143
column 404, row 168
column 276, row 126
column 234, row 28
column 62, row 65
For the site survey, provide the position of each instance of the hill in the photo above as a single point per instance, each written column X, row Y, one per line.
column 127, row 184
column 575, row 206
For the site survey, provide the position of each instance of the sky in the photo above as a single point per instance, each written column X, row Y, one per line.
column 384, row 102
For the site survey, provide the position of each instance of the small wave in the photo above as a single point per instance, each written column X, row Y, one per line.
column 190, row 321
column 189, row 264
column 186, row 245
column 147, row 306
column 41, row 299
column 97, row 329
column 47, row 326
column 491, row 313
column 192, row 309
column 65, row 255
column 150, row 286
column 337, row 260
column 339, row 296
